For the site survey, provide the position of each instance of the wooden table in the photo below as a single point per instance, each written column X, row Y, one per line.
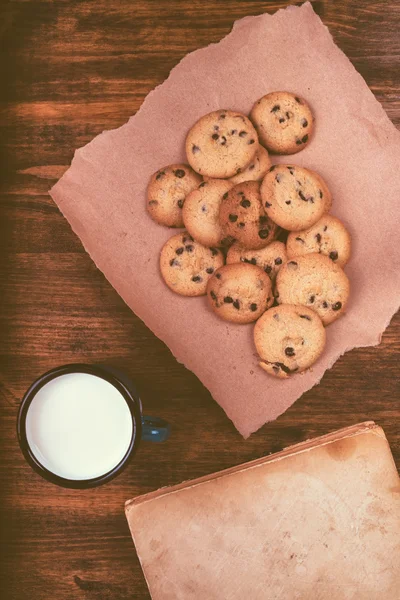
column 69, row 70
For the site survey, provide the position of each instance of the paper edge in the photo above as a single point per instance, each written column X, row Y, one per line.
column 366, row 427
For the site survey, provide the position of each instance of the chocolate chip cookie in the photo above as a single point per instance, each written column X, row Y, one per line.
column 221, row 144
column 293, row 197
column 270, row 259
column 289, row 339
column 201, row 211
column 243, row 218
column 186, row 265
column 239, row 293
column 327, row 236
column 315, row 281
column 256, row 169
column 167, row 191
column 284, row 122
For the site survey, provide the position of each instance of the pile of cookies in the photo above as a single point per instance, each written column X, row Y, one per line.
column 259, row 241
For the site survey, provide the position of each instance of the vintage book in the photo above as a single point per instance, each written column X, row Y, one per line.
column 318, row 521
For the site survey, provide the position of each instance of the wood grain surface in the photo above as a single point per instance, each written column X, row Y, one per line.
column 69, row 70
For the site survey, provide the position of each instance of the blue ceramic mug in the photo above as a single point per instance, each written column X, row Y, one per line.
column 79, row 425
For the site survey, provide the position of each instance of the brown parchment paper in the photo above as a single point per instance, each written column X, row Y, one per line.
column 319, row 520
column 355, row 148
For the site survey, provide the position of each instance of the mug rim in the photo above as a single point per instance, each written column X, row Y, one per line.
column 67, row 369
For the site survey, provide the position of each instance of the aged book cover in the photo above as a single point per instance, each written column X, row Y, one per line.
column 319, row 520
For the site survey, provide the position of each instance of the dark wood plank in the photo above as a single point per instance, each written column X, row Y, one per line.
column 70, row 69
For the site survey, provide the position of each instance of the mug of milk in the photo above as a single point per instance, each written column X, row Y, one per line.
column 78, row 425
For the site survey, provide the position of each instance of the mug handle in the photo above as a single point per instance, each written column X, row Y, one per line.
column 155, row 429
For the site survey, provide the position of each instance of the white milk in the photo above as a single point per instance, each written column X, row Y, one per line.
column 79, row 426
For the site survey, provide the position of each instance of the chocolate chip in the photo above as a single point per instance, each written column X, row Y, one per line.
column 203, row 184
column 180, row 202
column 250, row 142
column 275, row 108
column 251, row 167
column 236, row 304
column 311, row 299
column 179, row 173
column 189, row 248
column 216, row 127
column 233, row 218
column 242, row 134
column 291, row 170
column 222, row 116
column 195, row 149
column 297, row 99
column 224, row 197
column 249, row 261
column 268, row 269
column 223, row 140
column 289, row 351
column 302, row 196
column 288, row 202
column 241, row 225
column 318, row 237
column 275, row 369
column 233, row 131
column 174, row 263
column 160, row 174
column 245, row 203
column 213, row 295
column 278, row 177
column 325, row 304
column 321, row 194
column 272, row 168
column 263, row 233
column 238, row 171
column 179, row 250
column 204, row 208
column 333, row 255
column 292, row 262
column 228, row 300
column 278, row 261
column 281, row 120
column 288, row 115
column 187, row 238
column 284, row 368
column 326, row 227
column 305, row 317
column 337, row 306
column 298, row 239
column 215, row 136
column 214, row 251
column 268, row 205
column 276, row 316
column 153, row 202
column 197, row 278
column 304, row 139
column 253, row 307
column 304, row 122
column 218, row 275
column 298, row 142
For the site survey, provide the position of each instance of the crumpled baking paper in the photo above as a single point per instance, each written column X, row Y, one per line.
column 355, row 148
